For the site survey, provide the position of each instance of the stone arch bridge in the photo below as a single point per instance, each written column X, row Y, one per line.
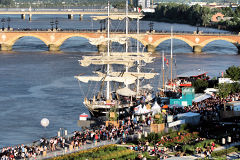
column 54, row 39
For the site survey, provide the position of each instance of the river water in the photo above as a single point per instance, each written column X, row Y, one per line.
column 36, row 84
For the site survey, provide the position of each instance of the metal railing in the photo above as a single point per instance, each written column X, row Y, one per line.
column 83, row 147
column 119, row 31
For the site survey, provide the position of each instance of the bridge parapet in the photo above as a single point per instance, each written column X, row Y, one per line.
column 54, row 39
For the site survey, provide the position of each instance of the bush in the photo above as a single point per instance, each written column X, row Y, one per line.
column 204, row 143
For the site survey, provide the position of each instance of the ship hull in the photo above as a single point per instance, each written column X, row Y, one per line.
column 104, row 110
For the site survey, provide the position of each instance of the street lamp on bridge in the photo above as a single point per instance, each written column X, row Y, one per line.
column 8, row 20
column 3, row 23
column 101, row 22
column 56, row 23
column 151, row 26
column 52, row 23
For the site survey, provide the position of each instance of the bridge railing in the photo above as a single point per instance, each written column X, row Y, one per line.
column 62, row 10
column 131, row 31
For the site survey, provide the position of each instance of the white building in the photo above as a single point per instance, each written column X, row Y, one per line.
column 144, row 3
column 199, row 3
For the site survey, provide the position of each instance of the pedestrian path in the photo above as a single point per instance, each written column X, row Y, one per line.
column 83, row 147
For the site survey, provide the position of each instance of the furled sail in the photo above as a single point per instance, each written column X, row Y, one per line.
column 87, row 62
column 128, row 74
column 103, row 40
column 124, row 60
column 145, row 54
column 125, row 80
column 126, row 92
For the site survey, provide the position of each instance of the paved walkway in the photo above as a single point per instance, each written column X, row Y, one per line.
column 89, row 145
column 83, row 147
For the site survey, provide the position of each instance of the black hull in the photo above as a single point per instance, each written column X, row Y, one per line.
column 104, row 112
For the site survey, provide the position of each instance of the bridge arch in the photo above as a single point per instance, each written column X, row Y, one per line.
column 76, row 43
column 14, row 39
column 176, row 42
column 61, row 40
column 190, row 43
column 29, row 44
column 204, row 43
column 221, row 46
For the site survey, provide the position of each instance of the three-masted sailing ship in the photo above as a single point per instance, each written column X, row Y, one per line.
column 121, row 98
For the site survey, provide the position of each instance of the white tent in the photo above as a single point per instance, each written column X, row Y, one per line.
column 201, row 98
column 156, row 108
column 145, row 110
column 141, row 110
column 126, row 92
column 138, row 109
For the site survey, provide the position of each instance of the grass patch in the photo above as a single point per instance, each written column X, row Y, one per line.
column 106, row 152
column 225, row 151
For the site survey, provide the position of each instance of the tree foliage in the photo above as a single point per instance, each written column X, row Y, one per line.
column 228, row 88
column 200, row 85
column 6, row 2
column 195, row 15
column 224, row 89
column 233, row 72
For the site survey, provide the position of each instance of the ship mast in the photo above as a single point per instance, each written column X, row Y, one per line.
column 171, row 52
column 138, row 62
column 126, row 30
column 163, row 69
column 108, row 52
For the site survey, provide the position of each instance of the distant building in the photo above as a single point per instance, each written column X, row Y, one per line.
column 199, row 3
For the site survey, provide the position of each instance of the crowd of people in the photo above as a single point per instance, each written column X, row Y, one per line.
column 103, row 133
column 208, row 108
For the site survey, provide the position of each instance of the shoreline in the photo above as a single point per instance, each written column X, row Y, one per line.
column 166, row 20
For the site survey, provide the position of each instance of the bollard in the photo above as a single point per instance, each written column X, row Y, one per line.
column 139, row 135
column 44, row 153
column 65, row 133
column 70, row 148
column 146, row 134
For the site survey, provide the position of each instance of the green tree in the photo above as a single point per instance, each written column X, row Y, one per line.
column 200, row 85
column 233, row 72
column 7, row 3
column 224, row 89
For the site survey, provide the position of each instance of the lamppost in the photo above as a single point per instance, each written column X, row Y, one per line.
column 3, row 22
column 56, row 23
column 8, row 20
column 197, row 28
column 151, row 26
column 62, row 132
column 52, row 23
column 101, row 22
column 104, row 24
